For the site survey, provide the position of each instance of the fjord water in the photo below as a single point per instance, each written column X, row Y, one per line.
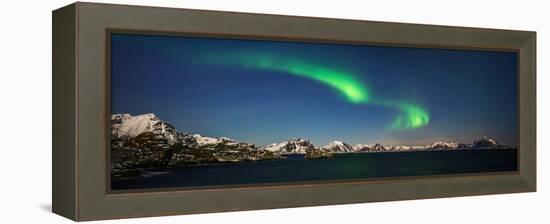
column 342, row 166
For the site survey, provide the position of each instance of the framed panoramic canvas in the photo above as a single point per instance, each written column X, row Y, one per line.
column 200, row 111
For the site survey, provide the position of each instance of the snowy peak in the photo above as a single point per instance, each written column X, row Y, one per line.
column 378, row 148
column 128, row 126
column 132, row 126
column 370, row 148
column 338, row 147
column 203, row 140
column 443, row 145
column 361, row 147
column 292, row 146
column 485, row 142
column 399, row 147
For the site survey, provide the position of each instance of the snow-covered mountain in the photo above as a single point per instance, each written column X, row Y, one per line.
column 292, row 146
column 145, row 141
column 338, row 147
column 378, row 148
column 403, row 148
column 370, row 148
column 203, row 140
column 362, row 147
column 443, row 145
column 485, row 142
column 128, row 126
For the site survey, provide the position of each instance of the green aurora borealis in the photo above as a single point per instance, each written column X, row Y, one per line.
column 410, row 115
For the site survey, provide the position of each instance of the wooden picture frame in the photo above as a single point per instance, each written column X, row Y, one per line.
column 81, row 96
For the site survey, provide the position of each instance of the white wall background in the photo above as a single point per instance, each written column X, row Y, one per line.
column 25, row 112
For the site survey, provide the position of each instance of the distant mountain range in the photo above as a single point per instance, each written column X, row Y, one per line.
column 299, row 146
column 146, row 141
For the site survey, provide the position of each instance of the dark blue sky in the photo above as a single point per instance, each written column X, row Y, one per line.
column 467, row 94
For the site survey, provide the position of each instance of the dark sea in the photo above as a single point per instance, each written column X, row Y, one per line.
column 342, row 166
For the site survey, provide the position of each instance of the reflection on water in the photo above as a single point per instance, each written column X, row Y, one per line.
column 342, row 166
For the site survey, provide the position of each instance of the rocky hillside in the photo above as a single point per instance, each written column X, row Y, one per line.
column 145, row 141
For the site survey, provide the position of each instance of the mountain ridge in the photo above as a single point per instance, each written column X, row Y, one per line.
column 144, row 141
column 150, row 122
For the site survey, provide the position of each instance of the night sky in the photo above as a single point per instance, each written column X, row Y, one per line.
column 263, row 92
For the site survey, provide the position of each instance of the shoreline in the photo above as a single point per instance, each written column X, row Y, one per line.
column 138, row 172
